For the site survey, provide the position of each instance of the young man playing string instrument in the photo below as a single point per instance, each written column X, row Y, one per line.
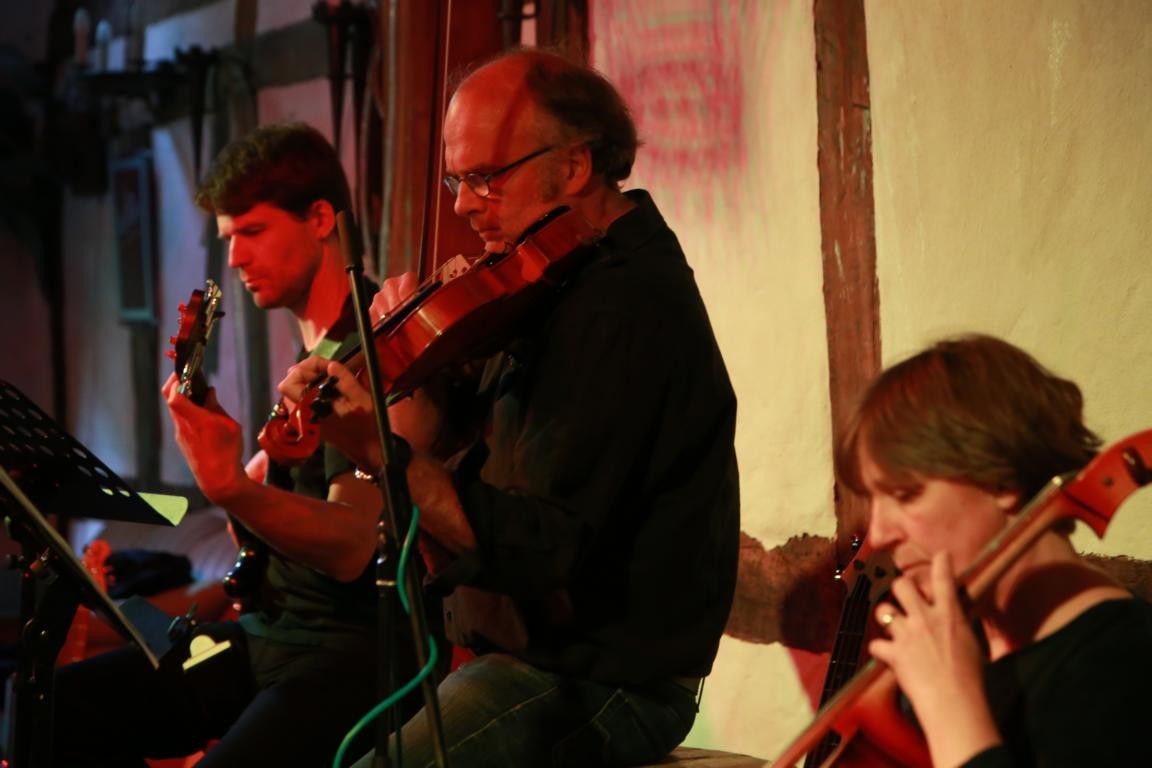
column 592, row 529
column 303, row 658
column 947, row 446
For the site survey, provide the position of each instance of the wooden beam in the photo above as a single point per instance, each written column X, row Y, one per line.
column 433, row 42
column 563, row 24
column 847, row 223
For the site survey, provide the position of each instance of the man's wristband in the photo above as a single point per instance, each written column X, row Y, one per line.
column 402, row 454
column 360, row 474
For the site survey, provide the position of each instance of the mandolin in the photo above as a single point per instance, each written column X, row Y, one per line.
column 197, row 320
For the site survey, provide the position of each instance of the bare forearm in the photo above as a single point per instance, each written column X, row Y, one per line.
column 441, row 514
column 334, row 537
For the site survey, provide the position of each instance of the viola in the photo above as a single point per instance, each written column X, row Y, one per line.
column 446, row 321
column 865, row 714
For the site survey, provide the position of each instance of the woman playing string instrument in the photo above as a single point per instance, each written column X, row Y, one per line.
column 947, row 446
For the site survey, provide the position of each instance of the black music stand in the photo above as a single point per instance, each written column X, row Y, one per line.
column 44, row 471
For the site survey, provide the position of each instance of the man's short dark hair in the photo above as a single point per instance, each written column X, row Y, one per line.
column 972, row 409
column 290, row 165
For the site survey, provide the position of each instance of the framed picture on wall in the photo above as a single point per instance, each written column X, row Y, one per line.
column 133, row 209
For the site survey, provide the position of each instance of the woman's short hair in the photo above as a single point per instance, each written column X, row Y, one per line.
column 973, row 409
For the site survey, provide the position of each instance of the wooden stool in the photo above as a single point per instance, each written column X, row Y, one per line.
column 691, row 757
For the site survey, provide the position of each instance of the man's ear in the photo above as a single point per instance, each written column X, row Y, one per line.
column 578, row 168
column 323, row 218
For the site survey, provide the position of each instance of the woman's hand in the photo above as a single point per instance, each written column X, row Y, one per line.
column 933, row 651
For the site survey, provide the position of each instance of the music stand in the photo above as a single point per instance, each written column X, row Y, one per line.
column 45, row 471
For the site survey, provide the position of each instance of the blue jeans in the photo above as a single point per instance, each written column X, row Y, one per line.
column 498, row 711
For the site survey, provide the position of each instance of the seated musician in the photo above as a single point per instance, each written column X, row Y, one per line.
column 947, row 446
column 592, row 529
column 297, row 670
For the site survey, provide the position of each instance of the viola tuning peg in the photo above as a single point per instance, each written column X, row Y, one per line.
column 181, row 307
column 329, row 389
column 172, row 340
column 321, row 409
column 170, row 354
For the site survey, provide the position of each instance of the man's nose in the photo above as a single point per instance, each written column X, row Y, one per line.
column 236, row 253
column 467, row 201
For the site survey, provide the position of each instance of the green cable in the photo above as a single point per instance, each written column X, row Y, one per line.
column 403, row 691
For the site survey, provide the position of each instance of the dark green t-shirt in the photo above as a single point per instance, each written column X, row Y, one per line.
column 298, row 604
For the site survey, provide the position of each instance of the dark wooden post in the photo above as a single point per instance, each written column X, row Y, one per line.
column 431, row 41
column 847, row 223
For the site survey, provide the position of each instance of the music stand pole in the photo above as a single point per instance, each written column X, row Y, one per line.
column 395, row 517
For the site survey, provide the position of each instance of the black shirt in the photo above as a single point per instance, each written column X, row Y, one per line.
column 606, row 508
column 1078, row 697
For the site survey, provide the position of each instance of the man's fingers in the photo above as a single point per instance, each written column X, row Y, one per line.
column 394, row 291
column 301, row 375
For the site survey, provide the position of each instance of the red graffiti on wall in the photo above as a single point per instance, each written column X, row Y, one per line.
column 677, row 66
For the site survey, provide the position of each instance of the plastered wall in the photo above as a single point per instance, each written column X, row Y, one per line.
column 1012, row 158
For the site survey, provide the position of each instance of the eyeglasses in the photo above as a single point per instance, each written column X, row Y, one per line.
column 479, row 182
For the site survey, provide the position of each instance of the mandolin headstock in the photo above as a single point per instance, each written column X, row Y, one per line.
column 197, row 319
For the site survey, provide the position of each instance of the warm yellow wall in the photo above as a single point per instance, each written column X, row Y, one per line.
column 1013, row 195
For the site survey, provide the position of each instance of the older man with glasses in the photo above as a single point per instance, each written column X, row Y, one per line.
column 589, row 535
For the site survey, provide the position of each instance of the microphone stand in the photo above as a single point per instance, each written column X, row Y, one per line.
column 394, row 519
